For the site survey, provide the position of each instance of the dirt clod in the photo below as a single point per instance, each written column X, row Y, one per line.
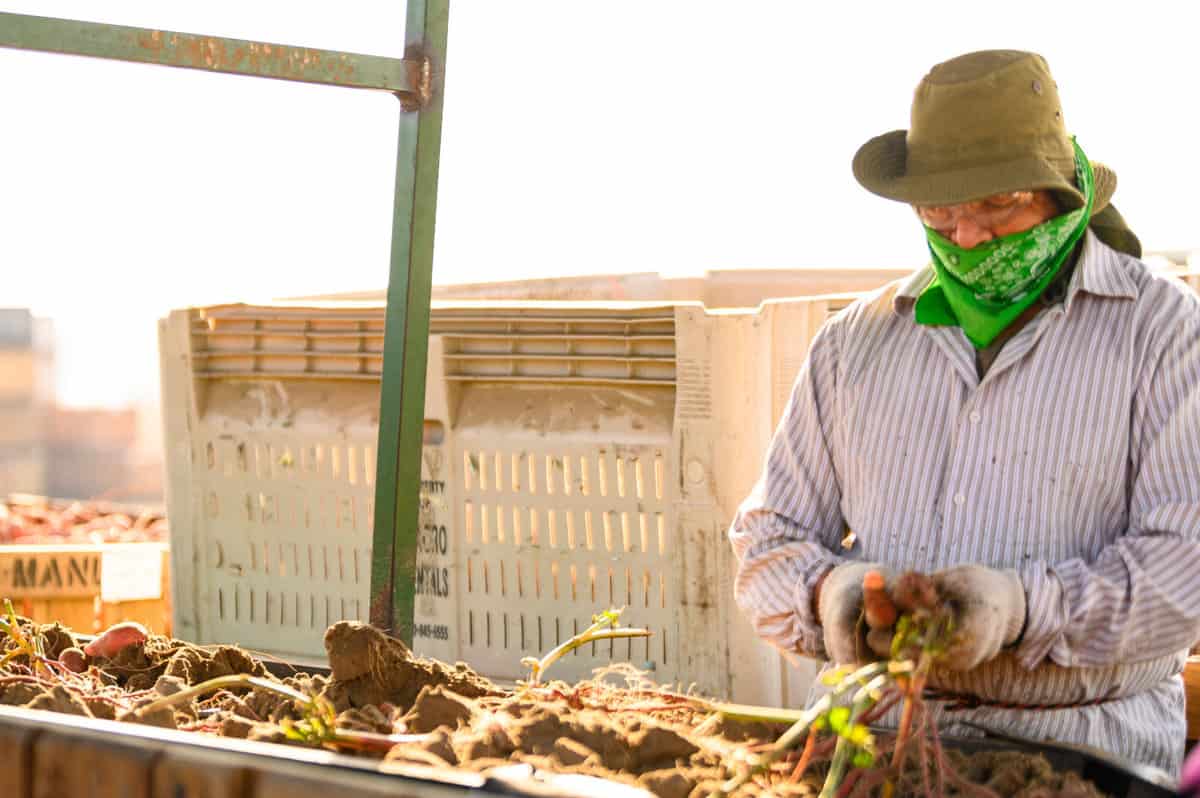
column 667, row 783
column 437, row 707
column 138, row 665
column 169, row 685
column 56, row 639
column 657, row 747
column 101, row 707
column 163, row 717
column 19, row 693
column 572, row 753
column 60, row 699
column 368, row 719
column 369, row 667
column 194, row 665
column 235, row 727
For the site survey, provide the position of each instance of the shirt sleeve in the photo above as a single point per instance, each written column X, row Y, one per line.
column 1138, row 599
column 784, row 532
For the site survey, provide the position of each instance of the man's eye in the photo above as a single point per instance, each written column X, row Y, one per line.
column 1002, row 201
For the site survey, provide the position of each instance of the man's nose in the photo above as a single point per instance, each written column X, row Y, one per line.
column 968, row 234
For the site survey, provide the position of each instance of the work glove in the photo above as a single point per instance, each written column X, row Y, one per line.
column 989, row 613
column 840, row 610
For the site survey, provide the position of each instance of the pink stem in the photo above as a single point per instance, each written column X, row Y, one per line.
column 879, row 710
column 848, row 783
column 923, row 749
column 935, row 740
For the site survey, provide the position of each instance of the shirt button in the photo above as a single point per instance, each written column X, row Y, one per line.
column 959, row 499
column 975, row 417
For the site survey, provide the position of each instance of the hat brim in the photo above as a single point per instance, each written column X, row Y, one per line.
column 880, row 166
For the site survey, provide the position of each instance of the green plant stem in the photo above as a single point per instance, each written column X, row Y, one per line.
column 753, row 714
column 220, row 683
column 372, row 741
column 744, row 712
column 793, row 735
column 32, row 646
column 592, row 634
column 866, row 697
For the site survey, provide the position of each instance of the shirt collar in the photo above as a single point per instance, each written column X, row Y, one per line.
column 1099, row 272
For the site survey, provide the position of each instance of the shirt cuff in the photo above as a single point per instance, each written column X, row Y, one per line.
column 1046, row 617
column 811, row 634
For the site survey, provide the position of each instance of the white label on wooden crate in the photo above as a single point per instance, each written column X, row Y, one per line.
column 131, row 573
column 30, row 573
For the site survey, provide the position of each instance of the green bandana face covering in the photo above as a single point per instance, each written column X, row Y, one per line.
column 983, row 289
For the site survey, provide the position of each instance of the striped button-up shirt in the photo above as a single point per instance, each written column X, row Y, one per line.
column 1075, row 460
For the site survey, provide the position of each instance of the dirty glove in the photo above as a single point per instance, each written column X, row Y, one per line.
column 840, row 610
column 989, row 613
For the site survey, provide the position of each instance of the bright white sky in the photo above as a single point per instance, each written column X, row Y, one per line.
column 579, row 138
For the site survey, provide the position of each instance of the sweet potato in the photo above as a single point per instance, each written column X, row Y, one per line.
column 115, row 638
column 877, row 604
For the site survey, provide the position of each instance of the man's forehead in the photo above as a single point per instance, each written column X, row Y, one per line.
column 1002, row 199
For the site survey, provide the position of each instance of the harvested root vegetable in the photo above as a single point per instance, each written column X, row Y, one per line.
column 877, row 604
column 110, row 642
column 74, row 660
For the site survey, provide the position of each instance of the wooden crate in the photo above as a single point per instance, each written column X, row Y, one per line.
column 1191, row 683
column 89, row 587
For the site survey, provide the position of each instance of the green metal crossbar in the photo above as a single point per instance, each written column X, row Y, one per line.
column 417, row 80
column 211, row 53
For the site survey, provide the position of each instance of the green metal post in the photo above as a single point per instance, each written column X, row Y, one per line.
column 406, row 339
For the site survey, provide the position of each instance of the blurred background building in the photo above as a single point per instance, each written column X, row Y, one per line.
column 69, row 452
column 26, row 392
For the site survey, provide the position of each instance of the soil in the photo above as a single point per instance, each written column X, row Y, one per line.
column 451, row 717
column 369, row 668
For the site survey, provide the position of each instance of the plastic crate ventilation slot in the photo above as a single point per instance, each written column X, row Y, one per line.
column 488, row 346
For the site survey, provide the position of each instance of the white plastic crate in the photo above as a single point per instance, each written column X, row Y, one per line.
column 590, row 455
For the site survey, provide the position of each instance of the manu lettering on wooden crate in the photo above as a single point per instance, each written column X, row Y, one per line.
column 39, row 571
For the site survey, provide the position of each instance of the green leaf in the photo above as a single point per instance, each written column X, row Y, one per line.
column 820, row 724
column 858, row 734
column 902, row 628
column 609, row 617
column 838, row 718
column 862, row 759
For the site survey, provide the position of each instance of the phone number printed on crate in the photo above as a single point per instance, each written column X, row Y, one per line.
column 432, row 631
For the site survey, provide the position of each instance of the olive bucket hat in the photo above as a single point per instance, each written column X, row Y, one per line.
column 987, row 123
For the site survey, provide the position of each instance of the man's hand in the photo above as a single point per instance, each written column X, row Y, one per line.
column 840, row 610
column 989, row 613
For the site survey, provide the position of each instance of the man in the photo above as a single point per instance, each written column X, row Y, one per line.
column 1021, row 419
